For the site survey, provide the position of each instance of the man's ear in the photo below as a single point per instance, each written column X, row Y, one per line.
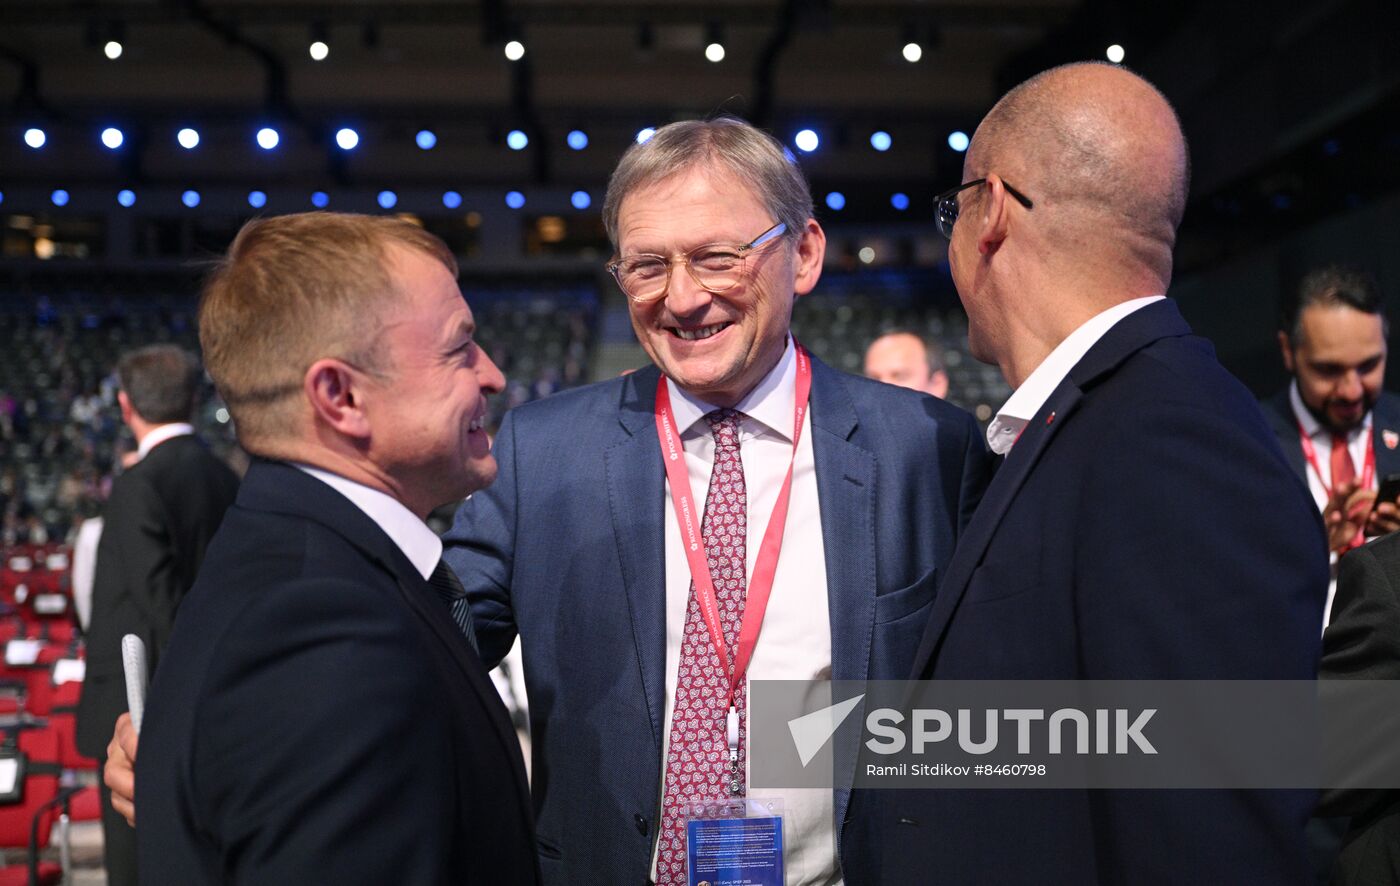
column 811, row 252
column 336, row 395
column 1285, row 346
column 994, row 220
column 125, row 403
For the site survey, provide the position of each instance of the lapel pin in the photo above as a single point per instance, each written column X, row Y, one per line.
column 1050, row 419
column 1391, row 438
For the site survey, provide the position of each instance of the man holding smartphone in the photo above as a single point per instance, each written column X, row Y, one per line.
column 1339, row 430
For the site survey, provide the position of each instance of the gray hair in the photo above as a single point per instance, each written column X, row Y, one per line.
column 727, row 143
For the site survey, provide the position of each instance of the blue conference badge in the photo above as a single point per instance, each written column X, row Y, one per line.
column 735, row 851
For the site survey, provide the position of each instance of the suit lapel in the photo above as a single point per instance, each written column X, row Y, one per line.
column 1128, row 336
column 636, row 501
column 845, row 475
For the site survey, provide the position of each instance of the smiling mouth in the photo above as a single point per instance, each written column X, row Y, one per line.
column 477, row 423
column 700, row 334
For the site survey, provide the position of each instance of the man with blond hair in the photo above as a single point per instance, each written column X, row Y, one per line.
column 1144, row 524
column 321, row 714
column 637, row 698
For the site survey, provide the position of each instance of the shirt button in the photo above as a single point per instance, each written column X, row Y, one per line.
column 641, row 825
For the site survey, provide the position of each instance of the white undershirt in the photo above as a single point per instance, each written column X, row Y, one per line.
column 409, row 534
column 1026, row 401
column 795, row 642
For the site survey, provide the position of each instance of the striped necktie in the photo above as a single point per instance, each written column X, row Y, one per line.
column 454, row 597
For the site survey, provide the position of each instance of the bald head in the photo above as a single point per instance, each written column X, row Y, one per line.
column 1101, row 152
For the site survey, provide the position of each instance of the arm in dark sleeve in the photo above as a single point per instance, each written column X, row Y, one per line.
column 976, row 474
column 1197, row 558
column 323, row 751
column 480, row 548
column 138, row 541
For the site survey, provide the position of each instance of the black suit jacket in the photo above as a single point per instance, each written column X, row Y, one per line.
column 155, row 528
column 1384, row 417
column 1145, row 526
column 319, row 718
column 1362, row 642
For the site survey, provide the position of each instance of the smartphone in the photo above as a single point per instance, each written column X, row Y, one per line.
column 1389, row 489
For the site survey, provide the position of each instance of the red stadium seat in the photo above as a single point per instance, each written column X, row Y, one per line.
column 28, row 824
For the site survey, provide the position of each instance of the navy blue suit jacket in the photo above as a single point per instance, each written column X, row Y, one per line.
column 319, row 718
column 1145, row 526
column 1385, row 416
column 566, row 548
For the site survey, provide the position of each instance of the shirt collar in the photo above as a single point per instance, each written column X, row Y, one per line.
column 1026, row 401
column 1311, row 426
column 160, row 434
column 412, row 536
column 769, row 403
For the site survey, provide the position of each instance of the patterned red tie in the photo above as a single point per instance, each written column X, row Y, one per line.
column 697, row 758
column 1343, row 470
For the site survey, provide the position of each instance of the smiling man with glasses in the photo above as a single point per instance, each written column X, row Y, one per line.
column 1144, row 524
column 622, row 507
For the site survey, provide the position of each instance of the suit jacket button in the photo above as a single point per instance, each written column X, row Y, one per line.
column 641, row 825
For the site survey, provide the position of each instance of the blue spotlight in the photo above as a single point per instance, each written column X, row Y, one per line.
column 517, row 140
column 2, row 196
column 190, row 199
column 388, row 199
column 187, row 138
column 36, row 138
column 644, row 135
column 59, row 197
column 347, row 139
column 515, row 199
column 881, row 141
column 452, row 199
column 426, row 139
column 578, row 139
column 900, row 201
column 126, row 197
column 807, row 141
column 836, row 200
column 581, row 200
column 320, row 199
column 268, row 138
column 257, row 199
column 112, row 137
column 958, row 140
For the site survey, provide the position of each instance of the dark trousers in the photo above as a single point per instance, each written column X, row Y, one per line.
column 118, row 842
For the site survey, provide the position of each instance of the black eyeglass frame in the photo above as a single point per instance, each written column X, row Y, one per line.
column 743, row 250
column 945, row 225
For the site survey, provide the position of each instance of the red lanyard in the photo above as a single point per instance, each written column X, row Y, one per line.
column 761, row 583
column 1368, row 473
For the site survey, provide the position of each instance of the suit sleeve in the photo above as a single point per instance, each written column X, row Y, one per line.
column 317, row 756
column 139, row 542
column 1197, row 558
column 480, row 548
column 976, row 473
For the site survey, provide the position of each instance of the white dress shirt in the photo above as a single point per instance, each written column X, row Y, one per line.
column 1026, row 401
column 160, row 434
column 795, row 641
column 1320, row 475
column 408, row 533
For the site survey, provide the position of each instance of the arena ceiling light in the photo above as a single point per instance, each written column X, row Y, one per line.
column 318, row 48
column 900, row 201
column 190, row 199
column 515, row 50
column 644, row 135
column 426, row 139
column 807, row 141
column 452, row 200
column 347, row 139
column 126, row 197
column 577, row 139
column 112, row 137
column 515, row 199
column 35, row 137
column 257, row 199
column 836, row 201
column 958, row 140
column 112, row 49
column 1115, row 54
column 388, row 199
column 517, row 140
column 59, row 197
column 881, row 141
column 581, row 200
column 188, row 138
column 268, row 138
column 320, row 199
column 714, row 42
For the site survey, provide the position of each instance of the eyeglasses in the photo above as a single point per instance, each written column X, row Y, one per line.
column 715, row 267
column 946, row 204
